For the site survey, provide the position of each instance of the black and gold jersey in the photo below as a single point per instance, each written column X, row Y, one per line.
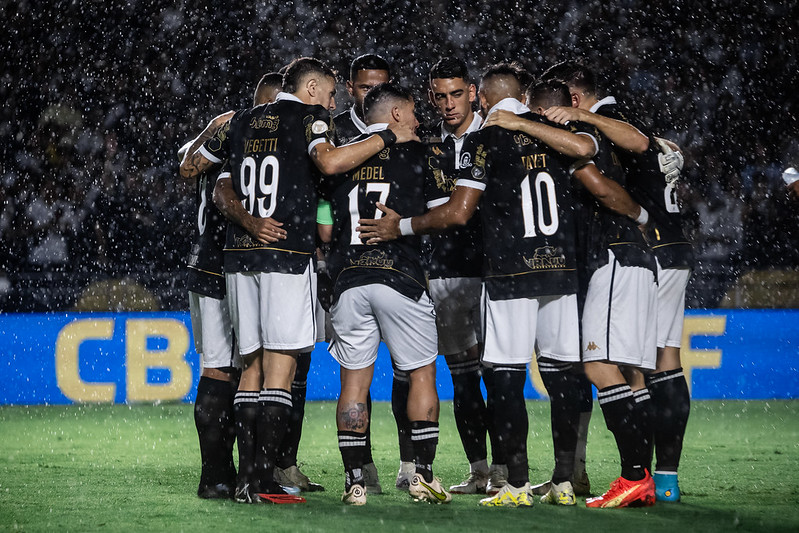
column 648, row 185
column 599, row 228
column 397, row 178
column 526, row 211
column 206, row 273
column 348, row 127
column 456, row 252
column 273, row 176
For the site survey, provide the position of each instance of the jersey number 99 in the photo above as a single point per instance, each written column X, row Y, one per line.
column 256, row 189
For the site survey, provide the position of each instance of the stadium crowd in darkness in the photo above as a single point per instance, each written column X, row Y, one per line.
column 98, row 97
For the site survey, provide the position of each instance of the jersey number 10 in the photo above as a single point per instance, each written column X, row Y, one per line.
column 546, row 205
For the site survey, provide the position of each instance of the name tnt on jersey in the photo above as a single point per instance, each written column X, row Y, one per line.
column 255, row 146
column 534, row 161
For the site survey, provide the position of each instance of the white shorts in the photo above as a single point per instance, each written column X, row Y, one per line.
column 213, row 332
column 620, row 316
column 362, row 315
column 514, row 329
column 272, row 310
column 457, row 302
column 671, row 305
column 321, row 319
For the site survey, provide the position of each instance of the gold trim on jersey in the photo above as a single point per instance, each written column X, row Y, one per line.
column 531, row 272
column 261, row 248
column 207, row 271
column 384, row 268
column 671, row 244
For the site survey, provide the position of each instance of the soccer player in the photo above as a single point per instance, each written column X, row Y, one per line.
column 213, row 339
column 454, row 273
column 619, row 314
column 275, row 153
column 379, row 292
column 366, row 71
column 653, row 167
column 530, row 280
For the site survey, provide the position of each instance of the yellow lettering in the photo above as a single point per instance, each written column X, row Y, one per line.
column 700, row 326
column 172, row 358
column 67, row 351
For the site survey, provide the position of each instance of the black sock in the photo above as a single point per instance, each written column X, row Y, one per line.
column 470, row 409
column 644, row 414
column 424, row 436
column 586, row 407
column 352, row 446
column 497, row 455
column 274, row 411
column 245, row 413
column 672, row 402
column 287, row 456
column 510, row 420
column 618, row 406
column 399, row 405
column 213, row 418
column 367, row 453
column 565, row 401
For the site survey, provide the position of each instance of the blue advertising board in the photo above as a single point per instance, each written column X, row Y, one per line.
column 149, row 357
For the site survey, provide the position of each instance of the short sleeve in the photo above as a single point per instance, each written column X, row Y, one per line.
column 319, row 127
column 474, row 162
column 217, row 148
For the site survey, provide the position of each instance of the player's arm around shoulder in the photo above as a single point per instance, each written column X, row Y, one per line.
column 621, row 133
column 559, row 139
column 265, row 230
column 609, row 193
column 194, row 162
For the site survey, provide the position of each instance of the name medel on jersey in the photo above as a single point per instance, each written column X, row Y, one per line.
column 456, row 252
column 273, row 176
column 526, row 211
column 395, row 177
column 206, row 273
column 648, row 186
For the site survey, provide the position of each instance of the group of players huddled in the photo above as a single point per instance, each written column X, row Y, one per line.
column 545, row 224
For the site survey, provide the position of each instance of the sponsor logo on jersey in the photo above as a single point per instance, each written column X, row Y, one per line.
column 373, row 258
column 546, row 258
column 522, row 140
column 592, row 346
column 244, row 241
column 269, row 122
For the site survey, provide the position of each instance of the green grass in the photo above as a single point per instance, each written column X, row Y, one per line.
column 125, row 468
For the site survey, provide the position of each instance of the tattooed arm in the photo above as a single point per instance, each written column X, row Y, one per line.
column 194, row 163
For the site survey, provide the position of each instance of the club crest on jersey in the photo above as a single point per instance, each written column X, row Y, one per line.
column 546, row 258
column 373, row 258
column 466, row 160
column 319, row 127
column 215, row 144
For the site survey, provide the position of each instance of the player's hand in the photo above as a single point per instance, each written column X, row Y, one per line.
column 375, row 230
column 504, row 119
column 562, row 114
column 793, row 189
column 266, row 230
column 671, row 161
column 403, row 132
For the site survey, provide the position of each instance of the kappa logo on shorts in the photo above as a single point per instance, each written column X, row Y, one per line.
column 592, row 346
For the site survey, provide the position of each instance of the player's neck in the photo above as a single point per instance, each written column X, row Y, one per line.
column 461, row 129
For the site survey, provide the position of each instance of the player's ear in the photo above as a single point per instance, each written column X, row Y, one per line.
column 575, row 99
column 396, row 114
column 431, row 97
column 350, row 88
column 472, row 92
column 312, row 85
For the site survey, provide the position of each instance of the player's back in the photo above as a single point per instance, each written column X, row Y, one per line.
column 274, row 176
column 206, row 273
column 526, row 211
column 395, row 177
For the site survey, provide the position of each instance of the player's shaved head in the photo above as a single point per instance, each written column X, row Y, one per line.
column 545, row 94
column 380, row 100
column 302, row 68
column 267, row 89
column 503, row 80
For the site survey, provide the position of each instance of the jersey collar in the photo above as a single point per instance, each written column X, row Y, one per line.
column 510, row 104
column 374, row 128
column 360, row 124
column 608, row 100
column 477, row 119
column 287, row 96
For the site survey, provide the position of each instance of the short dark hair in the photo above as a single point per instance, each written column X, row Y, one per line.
column 449, row 67
column 549, row 93
column 514, row 70
column 368, row 62
column 269, row 81
column 574, row 73
column 301, row 67
column 385, row 92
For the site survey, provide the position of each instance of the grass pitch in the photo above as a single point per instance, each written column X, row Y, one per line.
column 135, row 468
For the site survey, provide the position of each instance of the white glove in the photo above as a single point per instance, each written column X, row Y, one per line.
column 670, row 162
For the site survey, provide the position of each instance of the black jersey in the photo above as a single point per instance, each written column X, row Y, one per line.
column 456, row 252
column 348, row 127
column 526, row 210
column 273, row 176
column 395, row 177
column 600, row 229
column 649, row 187
column 206, row 272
